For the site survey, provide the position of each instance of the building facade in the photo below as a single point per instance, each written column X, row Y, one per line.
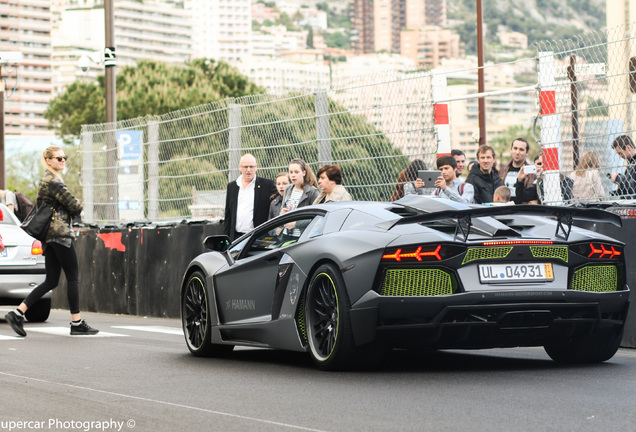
column 223, row 28
column 25, row 27
column 429, row 45
column 376, row 25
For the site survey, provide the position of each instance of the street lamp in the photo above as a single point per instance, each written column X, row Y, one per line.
column 6, row 57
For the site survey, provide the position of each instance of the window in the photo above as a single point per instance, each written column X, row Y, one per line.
column 286, row 233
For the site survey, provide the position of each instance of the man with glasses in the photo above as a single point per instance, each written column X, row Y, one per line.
column 247, row 199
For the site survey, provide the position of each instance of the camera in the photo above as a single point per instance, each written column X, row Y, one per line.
column 84, row 63
column 529, row 169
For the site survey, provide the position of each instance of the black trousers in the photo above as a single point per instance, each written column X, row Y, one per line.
column 56, row 259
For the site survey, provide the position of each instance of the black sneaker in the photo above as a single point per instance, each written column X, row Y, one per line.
column 16, row 322
column 82, row 329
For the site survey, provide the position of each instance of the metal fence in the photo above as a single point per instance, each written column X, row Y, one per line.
column 177, row 166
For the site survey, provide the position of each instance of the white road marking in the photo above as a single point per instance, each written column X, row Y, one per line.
column 66, row 331
column 165, row 403
column 2, row 337
column 153, row 329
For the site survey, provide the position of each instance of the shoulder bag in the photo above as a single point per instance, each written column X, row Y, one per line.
column 37, row 222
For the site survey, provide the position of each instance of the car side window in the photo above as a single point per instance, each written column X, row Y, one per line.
column 279, row 236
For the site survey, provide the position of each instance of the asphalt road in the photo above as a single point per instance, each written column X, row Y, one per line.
column 137, row 375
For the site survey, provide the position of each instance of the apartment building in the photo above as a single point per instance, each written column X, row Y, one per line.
column 223, row 28
column 376, row 25
column 25, row 26
column 272, row 41
column 429, row 45
column 295, row 70
column 153, row 30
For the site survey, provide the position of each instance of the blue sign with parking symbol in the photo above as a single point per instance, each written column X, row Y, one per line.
column 130, row 143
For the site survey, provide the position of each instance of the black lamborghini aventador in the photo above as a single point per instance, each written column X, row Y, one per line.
column 347, row 282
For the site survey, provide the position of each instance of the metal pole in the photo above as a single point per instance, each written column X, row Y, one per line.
column 480, row 74
column 109, row 51
column 323, row 133
column 574, row 94
column 111, row 109
column 2, row 182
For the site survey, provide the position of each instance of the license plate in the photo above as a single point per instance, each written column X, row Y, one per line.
column 500, row 273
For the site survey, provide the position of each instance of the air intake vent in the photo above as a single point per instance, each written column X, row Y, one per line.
column 416, row 282
column 474, row 254
column 557, row 252
column 595, row 278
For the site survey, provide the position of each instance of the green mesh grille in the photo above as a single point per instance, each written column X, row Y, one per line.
column 559, row 252
column 416, row 282
column 300, row 319
column 596, row 278
column 474, row 254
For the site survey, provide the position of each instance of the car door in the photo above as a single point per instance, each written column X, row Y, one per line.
column 245, row 289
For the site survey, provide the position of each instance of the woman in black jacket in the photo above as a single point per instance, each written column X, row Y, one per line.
column 59, row 247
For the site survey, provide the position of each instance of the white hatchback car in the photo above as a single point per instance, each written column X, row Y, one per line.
column 21, row 267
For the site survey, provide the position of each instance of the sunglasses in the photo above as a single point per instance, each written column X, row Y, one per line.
column 60, row 158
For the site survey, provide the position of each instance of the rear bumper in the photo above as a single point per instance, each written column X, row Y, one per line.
column 486, row 320
column 15, row 287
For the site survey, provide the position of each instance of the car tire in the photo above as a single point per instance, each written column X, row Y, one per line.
column 39, row 311
column 196, row 319
column 595, row 348
column 328, row 323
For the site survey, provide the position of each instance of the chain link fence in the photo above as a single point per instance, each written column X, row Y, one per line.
column 587, row 93
column 177, row 166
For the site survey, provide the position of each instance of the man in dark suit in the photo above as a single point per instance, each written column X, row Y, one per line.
column 247, row 199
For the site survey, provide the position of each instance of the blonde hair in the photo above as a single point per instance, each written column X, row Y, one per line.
column 48, row 154
column 589, row 160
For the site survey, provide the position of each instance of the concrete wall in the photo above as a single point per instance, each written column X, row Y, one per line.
column 136, row 270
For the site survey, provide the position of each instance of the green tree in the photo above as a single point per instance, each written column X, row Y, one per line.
column 310, row 38
column 149, row 88
column 337, row 40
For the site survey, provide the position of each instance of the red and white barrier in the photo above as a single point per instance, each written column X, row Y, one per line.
column 550, row 130
column 440, row 112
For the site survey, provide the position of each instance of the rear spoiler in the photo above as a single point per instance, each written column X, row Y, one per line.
column 564, row 216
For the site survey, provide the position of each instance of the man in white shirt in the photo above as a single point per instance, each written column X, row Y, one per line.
column 247, row 199
column 449, row 186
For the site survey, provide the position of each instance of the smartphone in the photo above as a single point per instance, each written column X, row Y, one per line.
column 428, row 177
column 529, row 169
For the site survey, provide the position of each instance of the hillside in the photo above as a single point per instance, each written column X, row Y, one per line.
column 538, row 19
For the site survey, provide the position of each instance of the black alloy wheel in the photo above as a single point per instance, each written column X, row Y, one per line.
column 328, row 323
column 196, row 319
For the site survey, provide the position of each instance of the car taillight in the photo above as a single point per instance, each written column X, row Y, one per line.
column 36, row 248
column 414, row 253
column 598, row 250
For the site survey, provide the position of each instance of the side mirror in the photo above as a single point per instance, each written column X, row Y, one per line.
column 218, row 243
